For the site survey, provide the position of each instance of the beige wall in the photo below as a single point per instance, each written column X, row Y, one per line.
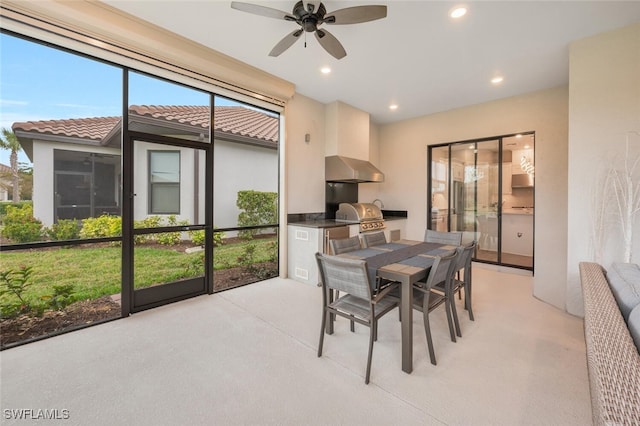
column 305, row 161
column 604, row 109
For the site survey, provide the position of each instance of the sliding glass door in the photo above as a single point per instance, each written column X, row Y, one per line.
column 484, row 189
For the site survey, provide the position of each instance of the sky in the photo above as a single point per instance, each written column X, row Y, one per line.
column 41, row 83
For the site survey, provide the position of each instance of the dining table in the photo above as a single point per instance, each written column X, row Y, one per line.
column 406, row 262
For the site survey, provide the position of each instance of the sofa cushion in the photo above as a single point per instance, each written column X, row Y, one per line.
column 634, row 325
column 624, row 280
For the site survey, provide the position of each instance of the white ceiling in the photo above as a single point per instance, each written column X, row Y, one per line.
column 417, row 57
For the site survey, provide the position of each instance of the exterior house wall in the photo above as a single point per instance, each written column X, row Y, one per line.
column 253, row 168
column 43, row 175
column 604, row 110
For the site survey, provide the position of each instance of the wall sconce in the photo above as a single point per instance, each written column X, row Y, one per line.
column 307, row 137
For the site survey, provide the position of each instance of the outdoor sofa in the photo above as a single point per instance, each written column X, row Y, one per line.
column 612, row 335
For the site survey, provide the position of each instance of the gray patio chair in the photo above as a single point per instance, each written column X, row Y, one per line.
column 463, row 282
column 425, row 299
column 345, row 245
column 442, row 237
column 374, row 239
column 350, row 277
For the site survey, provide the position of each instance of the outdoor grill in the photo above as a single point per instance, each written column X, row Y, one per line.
column 368, row 215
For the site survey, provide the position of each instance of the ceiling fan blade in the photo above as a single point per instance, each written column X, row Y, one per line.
column 330, row 44
column 355, row 15
column 262, row 10
column 286, row 42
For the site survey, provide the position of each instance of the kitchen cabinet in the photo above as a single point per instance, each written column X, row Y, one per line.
column 517, row 233
column 394, row 230
column 304, row 242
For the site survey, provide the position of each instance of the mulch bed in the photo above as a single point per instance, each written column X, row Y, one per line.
column 85, row 312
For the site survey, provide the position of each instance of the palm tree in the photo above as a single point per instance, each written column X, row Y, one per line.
column 8, row 140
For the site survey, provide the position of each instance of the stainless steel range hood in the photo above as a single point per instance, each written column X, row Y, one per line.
column 345, row 169
column 522, row 180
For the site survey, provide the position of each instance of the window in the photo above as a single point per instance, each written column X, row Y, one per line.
column 164, row 182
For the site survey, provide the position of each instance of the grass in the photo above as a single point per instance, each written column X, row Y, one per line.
column 96, row 271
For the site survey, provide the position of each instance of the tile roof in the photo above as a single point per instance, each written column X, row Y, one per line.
column 228, row 119
column 95, row 129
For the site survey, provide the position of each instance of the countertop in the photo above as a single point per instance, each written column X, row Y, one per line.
column 527, row 212
column 332, row 223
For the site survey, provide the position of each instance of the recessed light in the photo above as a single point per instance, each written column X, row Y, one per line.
column 325, row 70
column 458, row 12
column 518, row 135
column 393, row 106
column 497, row 80
column 527, row 146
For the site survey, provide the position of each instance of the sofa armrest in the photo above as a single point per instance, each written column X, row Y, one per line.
column 612, row 358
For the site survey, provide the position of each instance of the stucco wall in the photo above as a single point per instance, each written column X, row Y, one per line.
column 305, row 160
column 604, row 110
column 236, row 168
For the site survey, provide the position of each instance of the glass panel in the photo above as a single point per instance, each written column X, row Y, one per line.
column 440, row 188
column 245, row 194
column 164, row 181
column 482, row 186
column 163, row 108
column 518, row 205
column 64, row 111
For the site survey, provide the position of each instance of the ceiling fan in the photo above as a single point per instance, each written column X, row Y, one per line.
column 309, row 15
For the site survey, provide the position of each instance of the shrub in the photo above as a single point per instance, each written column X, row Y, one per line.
column 102, row 226
column 4, row 205
column 147, row 222
column 20, row 226
column 64, row 229
column 260, row 270
column 259, row 208
column 171, row 238
column 61, row 297
column 15, row 284
column 197, row 237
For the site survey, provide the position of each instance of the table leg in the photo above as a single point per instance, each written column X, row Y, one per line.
column 406, row 315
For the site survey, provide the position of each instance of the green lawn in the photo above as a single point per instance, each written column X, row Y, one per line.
column 95, row 272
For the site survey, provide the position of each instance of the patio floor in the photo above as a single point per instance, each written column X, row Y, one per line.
column 248, row 356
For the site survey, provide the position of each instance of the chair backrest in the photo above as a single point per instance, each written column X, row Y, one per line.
column 346, row 275
column 443, row 268
column 465, row 253
column 374, row 239
column 345, row 245
column 454, row 238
